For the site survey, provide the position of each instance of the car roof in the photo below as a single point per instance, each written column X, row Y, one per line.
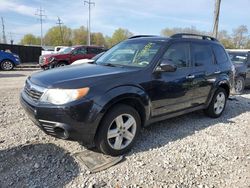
column 177, row 37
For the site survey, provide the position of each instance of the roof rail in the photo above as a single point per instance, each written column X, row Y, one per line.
column 139, row 36
column 189, row 35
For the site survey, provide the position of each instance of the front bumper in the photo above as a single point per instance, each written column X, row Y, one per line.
column 78, row 121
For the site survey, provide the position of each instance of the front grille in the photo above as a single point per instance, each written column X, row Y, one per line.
column 33, row 92
column 48, row 127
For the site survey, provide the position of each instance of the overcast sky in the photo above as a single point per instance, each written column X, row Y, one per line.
column 138, row 16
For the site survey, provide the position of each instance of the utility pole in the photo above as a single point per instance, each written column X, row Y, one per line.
column 216, row 18
column 11, row 38
column 60, row 27
column 89, row 3
column 41, row 15
column 3, row 29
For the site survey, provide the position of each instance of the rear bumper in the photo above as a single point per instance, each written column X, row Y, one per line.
column 78, row 122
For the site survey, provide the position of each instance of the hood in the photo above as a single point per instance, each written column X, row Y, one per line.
column 77, row 76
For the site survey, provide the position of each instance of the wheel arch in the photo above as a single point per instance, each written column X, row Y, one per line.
column 129, row 95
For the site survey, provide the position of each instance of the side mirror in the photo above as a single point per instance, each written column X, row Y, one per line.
column 166, row 66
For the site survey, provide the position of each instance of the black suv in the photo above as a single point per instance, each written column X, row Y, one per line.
column 139, row 81
column 241, row 61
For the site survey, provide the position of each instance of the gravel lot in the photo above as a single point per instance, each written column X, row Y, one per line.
column 187, row 151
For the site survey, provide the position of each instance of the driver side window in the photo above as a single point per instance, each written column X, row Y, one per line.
column 178, row 54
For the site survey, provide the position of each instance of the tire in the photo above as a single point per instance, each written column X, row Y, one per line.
column 121, row 139
column 7, row 65
column 62, row 64
column 218, row 104
column 239, row 85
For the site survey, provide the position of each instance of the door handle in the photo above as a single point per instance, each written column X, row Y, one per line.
column 217, row 72
column 190, row 77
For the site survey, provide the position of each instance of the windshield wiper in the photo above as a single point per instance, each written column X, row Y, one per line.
column 109, row 64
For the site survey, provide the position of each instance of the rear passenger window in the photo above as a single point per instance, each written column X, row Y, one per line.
column 220, row 54
column 94, row 50
column 202, row 55
column 178, row 54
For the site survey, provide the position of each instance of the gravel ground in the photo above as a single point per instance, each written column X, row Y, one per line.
column 187, row 151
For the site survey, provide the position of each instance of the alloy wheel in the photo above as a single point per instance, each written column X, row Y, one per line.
column 121, row 131
column 238, row 86
column 7, row 65
column 219, row 103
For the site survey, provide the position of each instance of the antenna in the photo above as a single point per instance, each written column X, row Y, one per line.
column 3, row 28
column 41, row 15
column 89, row 3
column 60, row 27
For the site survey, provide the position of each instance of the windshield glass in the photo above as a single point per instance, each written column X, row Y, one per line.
column 130, row 53
column 66, row 50
column 238, row 57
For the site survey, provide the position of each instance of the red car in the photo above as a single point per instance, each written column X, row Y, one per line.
column 68, row 56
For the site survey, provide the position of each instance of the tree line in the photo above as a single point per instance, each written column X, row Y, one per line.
column 56, row 36
column 69, row 37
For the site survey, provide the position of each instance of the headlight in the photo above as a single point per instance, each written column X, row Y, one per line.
column 63, row 96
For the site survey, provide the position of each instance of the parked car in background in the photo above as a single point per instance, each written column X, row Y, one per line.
column 241, row 61
column 137, row 82
column 8, row 60
column 92, row 60
column 52, row 50
column 68, row 56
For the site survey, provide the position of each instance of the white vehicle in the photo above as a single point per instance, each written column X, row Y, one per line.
column 82, row 61
column 51, row 50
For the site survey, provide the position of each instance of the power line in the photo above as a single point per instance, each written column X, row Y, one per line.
column 60, row 27
column 216, row 17
column 41, row 15
column 3, row 30
column 89, row 3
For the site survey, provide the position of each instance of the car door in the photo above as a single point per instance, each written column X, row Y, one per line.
column 172, row 91
column 205, row 72
column 248, row 70
column 79, row 53
column 92, row 52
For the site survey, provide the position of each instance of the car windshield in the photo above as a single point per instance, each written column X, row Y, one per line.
column 130, row 53
column 66, row 50
column 238, row 57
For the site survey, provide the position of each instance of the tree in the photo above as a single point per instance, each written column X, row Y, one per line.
column 80, row 36
column 30, row 39
column 240, row 36
column 171, row 31
column 248, row 44
column 53, row 36
column 120, row 35
column 225, row 39
column 97, row 39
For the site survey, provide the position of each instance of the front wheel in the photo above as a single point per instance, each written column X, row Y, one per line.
column 7, row 65
column 218, row 104
column 62, row 64
column 118, row 130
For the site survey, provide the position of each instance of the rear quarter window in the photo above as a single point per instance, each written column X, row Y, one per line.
column 220, row 54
